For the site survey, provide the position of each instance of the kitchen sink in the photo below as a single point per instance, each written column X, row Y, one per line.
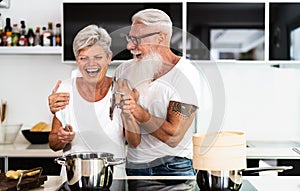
column 272, row 144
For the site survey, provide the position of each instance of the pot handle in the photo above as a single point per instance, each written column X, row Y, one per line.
column 61, row 161
column 115, row 161
column 271, row 168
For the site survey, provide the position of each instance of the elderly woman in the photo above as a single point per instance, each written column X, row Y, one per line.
column 83, row 102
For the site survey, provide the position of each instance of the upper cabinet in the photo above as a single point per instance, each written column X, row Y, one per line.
column 261, row 31
column 234, row 31
column 284, row 31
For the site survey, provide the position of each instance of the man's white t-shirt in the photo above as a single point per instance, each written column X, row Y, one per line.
column 179, row 84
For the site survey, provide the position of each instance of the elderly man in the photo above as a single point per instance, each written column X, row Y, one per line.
column 163, row 101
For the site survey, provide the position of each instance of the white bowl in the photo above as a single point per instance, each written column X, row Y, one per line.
column 8, row 133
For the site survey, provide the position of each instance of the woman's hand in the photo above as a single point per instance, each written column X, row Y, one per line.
column 58, row 101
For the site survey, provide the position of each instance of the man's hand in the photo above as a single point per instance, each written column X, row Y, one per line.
column 126, row 98
column 124, row 87
column 58, row 101
column 65, row 135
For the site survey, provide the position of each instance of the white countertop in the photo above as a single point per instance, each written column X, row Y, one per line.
column 272, row 153
column 22, row 148
column 273, row 149
column 261, row 183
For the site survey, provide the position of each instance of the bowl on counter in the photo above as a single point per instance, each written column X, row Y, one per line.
column 35, row 137
column 9, row 132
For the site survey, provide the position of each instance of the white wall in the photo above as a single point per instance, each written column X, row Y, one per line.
column 261, row 100
column 27, row 80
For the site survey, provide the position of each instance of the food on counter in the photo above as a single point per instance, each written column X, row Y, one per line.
column 12, row 174
column 41, row 127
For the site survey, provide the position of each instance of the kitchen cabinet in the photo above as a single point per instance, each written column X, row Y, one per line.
column 47, row 163
column 279, row 162
column 215, row 20
column 289, row 162
column 262, row 183
column 23, row 155
column 284, row 31
column 252, row 31
column 2, row 164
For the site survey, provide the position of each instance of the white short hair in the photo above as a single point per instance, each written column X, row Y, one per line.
column 154, row 17
column 89, row 36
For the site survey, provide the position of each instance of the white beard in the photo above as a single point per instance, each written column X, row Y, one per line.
column 145, row 70
column 151, row 65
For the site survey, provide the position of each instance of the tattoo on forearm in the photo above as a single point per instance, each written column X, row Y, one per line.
column 181, row 109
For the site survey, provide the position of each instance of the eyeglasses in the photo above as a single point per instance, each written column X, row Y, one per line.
column 136, row 40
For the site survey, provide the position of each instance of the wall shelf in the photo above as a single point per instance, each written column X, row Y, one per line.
column 31, row 50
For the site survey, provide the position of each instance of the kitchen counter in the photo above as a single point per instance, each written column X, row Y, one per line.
column 22, row 148
column 261, row 183
column 22, row 155
column 270, row 149
column 256, row 149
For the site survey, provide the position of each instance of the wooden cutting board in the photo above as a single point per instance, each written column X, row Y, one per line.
column 26, row 184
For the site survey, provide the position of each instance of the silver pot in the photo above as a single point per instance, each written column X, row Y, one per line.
column 89, row 171
column 229, row 180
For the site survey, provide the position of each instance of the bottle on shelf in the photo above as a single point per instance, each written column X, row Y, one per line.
column 58, row 35
column 8, row 25
column 30, row 37
column 7, row 36
column 37, row 38
column 15, row 35
column 23, row 38
column 48, row 35
column 1, row 28
column 42, row 35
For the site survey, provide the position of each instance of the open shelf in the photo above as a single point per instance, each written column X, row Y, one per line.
column 31, row 50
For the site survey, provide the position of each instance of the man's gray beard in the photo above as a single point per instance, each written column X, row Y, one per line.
column 149, row 66
column 146, row 70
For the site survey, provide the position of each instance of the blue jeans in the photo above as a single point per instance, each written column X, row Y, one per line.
column 169, row 166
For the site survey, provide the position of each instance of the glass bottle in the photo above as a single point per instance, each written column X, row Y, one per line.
column 48, row 35
column 15, row 35
column 37, row 40
column 1, row 29
column 23, row 38
column 8, row 38
column 58, row 35
column 30, row 37
column 42, row 35
column 7, row 29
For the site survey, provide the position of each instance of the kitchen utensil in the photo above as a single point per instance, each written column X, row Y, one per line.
column 23, row 183
column 296, row 150
column 88, row 170
column 229, row 180
column 113, row 101
column 3, row 111
column 36, row 137
column 220, row 160
column 9, row 132
column 223, row 150
column 63, row 121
